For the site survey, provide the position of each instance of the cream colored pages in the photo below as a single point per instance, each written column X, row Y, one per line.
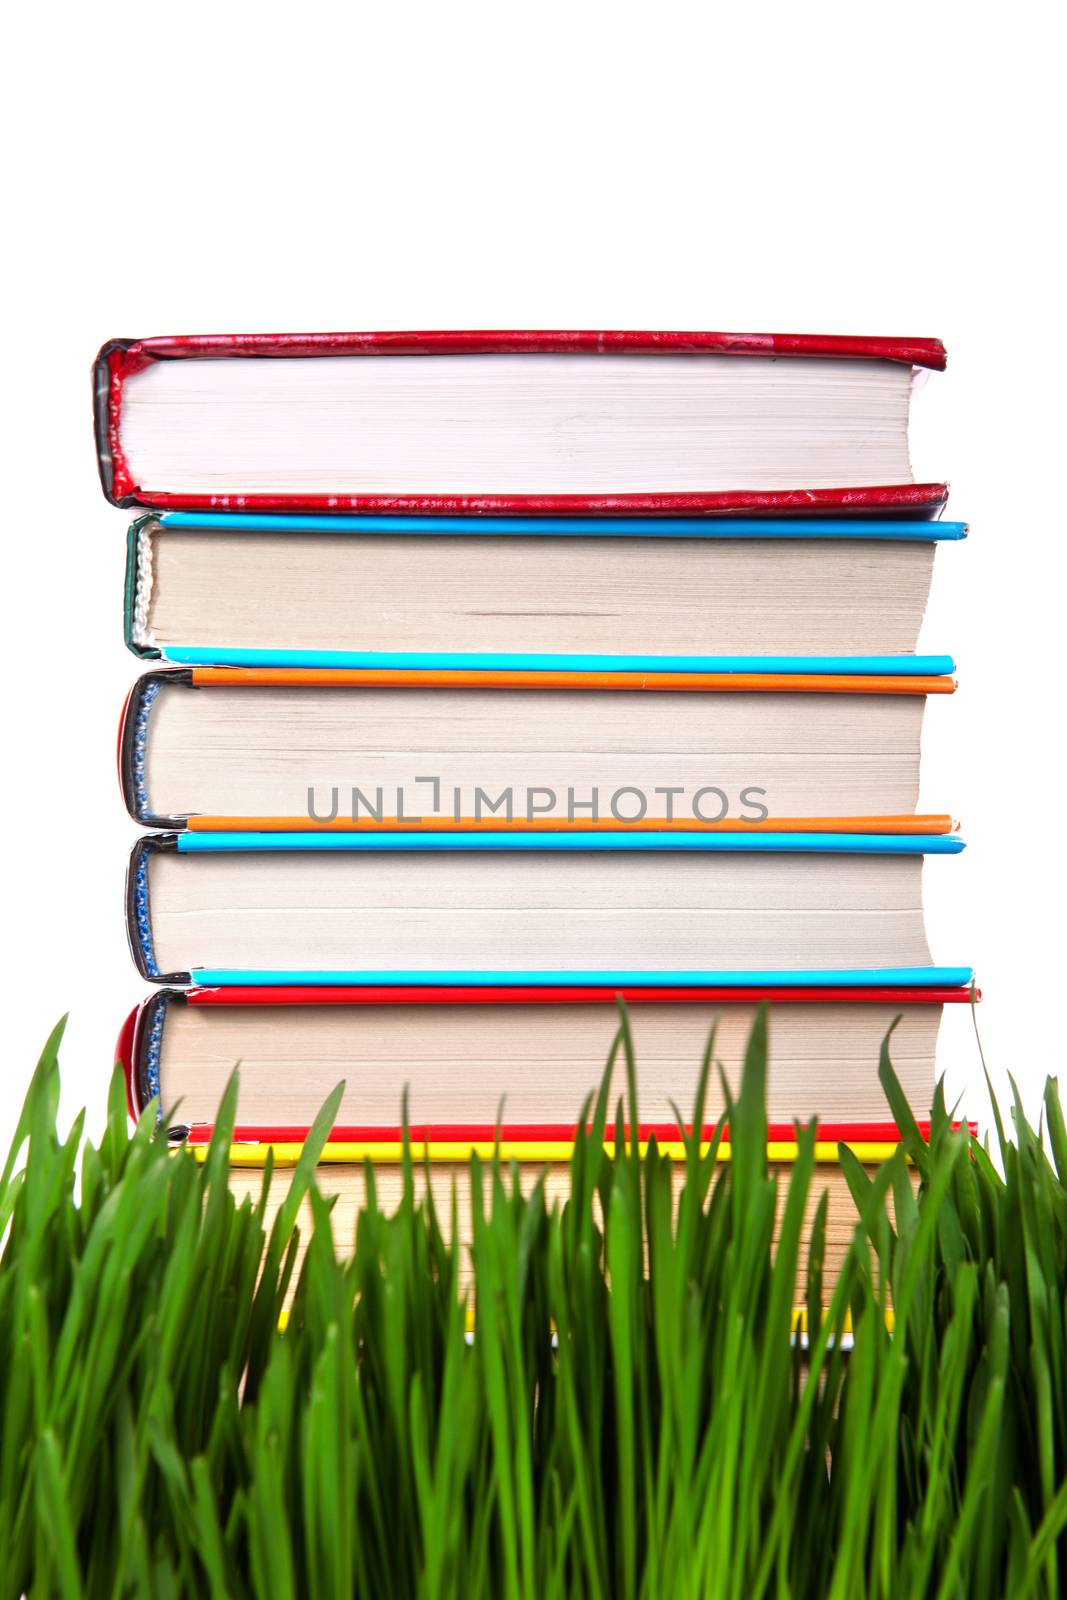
column 433, row 592
column 530, row 1064
column 348, row 1185
column 258, row 752
column 519, row 910
column 500, row 424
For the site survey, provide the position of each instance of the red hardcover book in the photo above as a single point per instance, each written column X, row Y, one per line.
column 492, row 423
column 460, row 1050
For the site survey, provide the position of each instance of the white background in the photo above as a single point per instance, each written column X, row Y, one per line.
column 890, row 170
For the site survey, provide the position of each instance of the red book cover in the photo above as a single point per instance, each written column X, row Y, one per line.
column 122, row 359
column 535, row 1133
column 141, row 1032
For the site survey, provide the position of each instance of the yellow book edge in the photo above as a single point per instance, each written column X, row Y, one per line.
column 799, row 1322
column 287, row 1154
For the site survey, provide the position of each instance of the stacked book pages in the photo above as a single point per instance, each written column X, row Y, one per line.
column 494, row 677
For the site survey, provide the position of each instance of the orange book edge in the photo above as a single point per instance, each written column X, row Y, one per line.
column 720, row 682
column 923, row 823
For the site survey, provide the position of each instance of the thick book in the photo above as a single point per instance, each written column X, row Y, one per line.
column 346, row 1184
column 535, row 422
column 214, row 587
column 489, row 1057
column 481, row 1062
column 210, row 748
column 486, row 907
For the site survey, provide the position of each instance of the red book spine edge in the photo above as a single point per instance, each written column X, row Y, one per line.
column 129, row 1044
column 119, row 359
column 906, row 499
column 543, row 1133
column 126, row 1053
column 533, row 341
column 395, row 994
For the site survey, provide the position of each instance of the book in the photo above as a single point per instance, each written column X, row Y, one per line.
column 211, row 587
column 346, row 1186
column 212, row 748
column 486, row 907
column 474, row 1058
column 484, row 422
column 490, row 1055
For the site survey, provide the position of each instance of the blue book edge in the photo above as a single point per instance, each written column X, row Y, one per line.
column 909, row 666
column 908, row 530
column 842, row 978
column 439, row 842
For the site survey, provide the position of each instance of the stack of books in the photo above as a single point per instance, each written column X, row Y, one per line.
column 496, row 676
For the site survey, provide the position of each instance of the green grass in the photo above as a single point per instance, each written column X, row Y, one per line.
column 159, row 1435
